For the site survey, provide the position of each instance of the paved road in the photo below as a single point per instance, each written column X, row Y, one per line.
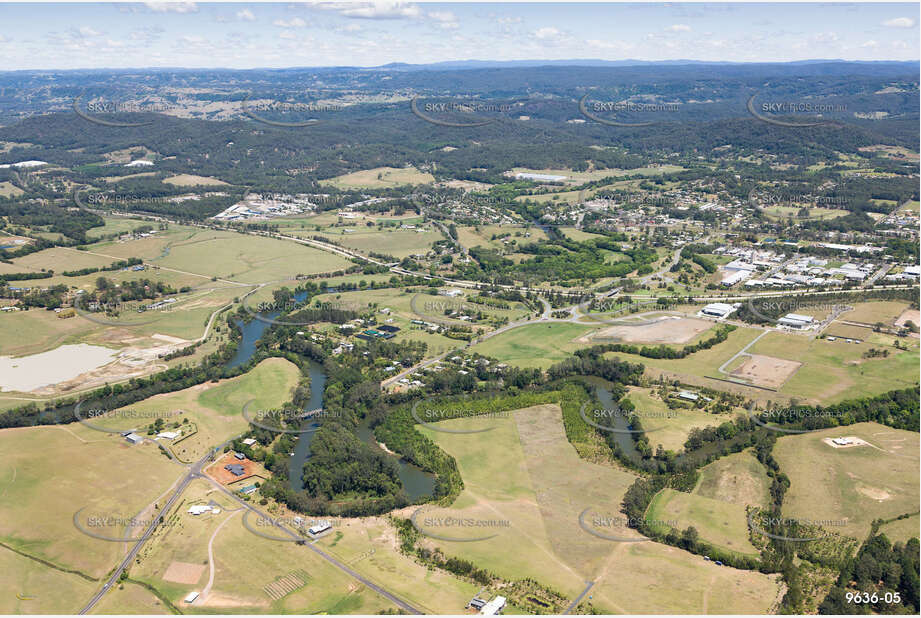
column 381, row 591
column 349, row 253
column 133, row 552
column 195, row 472
column 579, row 598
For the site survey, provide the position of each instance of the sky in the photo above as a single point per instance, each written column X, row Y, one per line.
column 263, row 35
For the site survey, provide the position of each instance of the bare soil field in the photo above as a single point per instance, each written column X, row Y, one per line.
column 912, row 315
column 766, row 370
column 184, row 572
column 225, row 477
column 668, row 329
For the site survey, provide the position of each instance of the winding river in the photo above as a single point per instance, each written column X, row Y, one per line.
column 416, row 481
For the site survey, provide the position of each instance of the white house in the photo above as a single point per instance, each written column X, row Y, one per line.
column 320, row 528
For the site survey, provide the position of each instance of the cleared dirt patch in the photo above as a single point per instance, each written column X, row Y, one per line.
column 667, row 329
column 766, row 370
column 226, row 477
column 913, row 315
column 851, row 441
column 874, row 493
column 184, row 572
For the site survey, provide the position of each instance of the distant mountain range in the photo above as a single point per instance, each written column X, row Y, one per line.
column 593, row 62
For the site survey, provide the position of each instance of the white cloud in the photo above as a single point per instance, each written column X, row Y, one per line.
column 172, row 7
column 509, row 20
column 614, row 45
column 548, row 33
column 295, row 22
column 445, row 19
column 380, row 9
column 287, row 34
column 351, row 28
column 87, row 31
column 825, row 37
column 871, row 44
column 246, row 15
column 900, row 22
column 678, row 28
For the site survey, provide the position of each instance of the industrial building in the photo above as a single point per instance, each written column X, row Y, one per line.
column 796, row 321
column 718, row 310
column 735, row 277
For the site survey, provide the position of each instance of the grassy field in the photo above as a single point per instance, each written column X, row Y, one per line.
column 38, row 330
column 380, row 178
column 389, row 241
column 130, row 598
column 112, row 225
column 149, row 248
column 533, row 455
column 57, row 259
column 8, row 189
column 49, row 473
column 239, row 585
column 537, row 345
column 831, row 371
column 593, row 175
column 872, row 312
column 835, row 370
column 191, row 180
column 578, row 235
column 856, row 484
column 471, row 236
column 723, row 524
column 46, row 590
column 670, row 428
column 247, row 259
column 526, row 472
column 214, row 409
column 370, row 546
column 901, row 530
column 787, row 212
column 738, row 478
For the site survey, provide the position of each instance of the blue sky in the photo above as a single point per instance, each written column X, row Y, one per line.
column 250, row 35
